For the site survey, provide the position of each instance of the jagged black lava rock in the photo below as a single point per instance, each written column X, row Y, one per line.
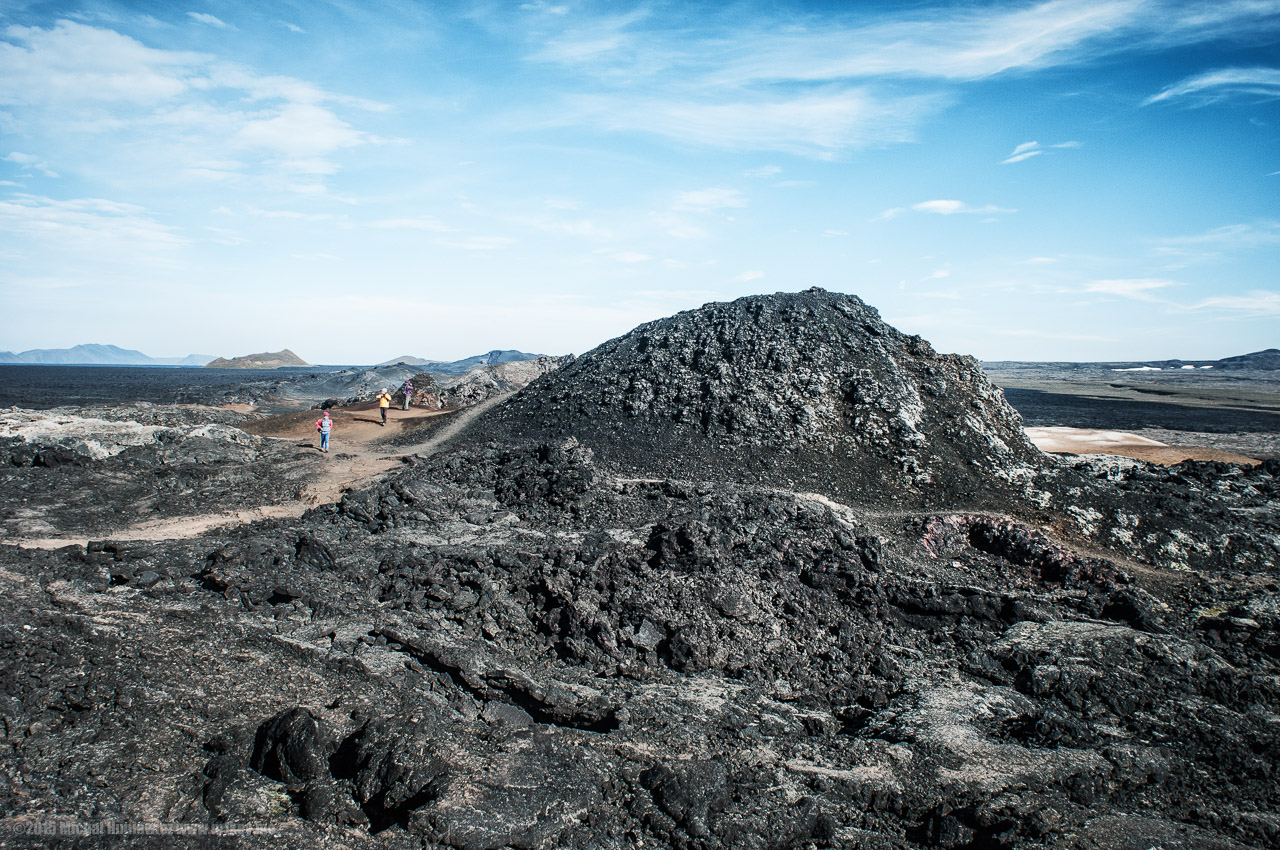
column 804, row 387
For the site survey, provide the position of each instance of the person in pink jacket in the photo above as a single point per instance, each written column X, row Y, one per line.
column 324, row 426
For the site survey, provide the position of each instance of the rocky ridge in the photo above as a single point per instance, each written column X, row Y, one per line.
column 438, row 392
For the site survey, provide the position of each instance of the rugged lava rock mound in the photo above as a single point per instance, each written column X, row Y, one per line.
column 812, row 387
column 511, row 648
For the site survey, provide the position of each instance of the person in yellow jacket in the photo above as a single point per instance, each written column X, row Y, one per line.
column 384, row 401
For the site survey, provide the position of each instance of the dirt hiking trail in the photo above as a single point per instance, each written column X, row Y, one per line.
column 358, row 455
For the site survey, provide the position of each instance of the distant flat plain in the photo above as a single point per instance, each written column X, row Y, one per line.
column 1234, row 411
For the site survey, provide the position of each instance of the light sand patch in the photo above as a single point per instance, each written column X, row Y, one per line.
column 1090, row 441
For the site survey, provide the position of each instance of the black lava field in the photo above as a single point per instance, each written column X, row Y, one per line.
column 766, row 574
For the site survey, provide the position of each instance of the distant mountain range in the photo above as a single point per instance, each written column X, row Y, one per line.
column 112, row 355
column 264, row 360
column 459, row 367
column 1267, row 360
column 95, row 354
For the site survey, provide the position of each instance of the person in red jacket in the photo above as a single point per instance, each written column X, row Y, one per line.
column 324, row 426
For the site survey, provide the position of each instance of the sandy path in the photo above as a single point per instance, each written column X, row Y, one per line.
column 358, row 455
column 1089, row 441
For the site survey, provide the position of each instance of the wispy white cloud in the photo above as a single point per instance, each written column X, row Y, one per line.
column 677, row 225
column 1220, row 241
column 415, row 223
column 950, row 207
column 753, row 274
column 709, row 200
column 303, row 134
column 1026, row 150
column 582, row 228
column 818, row 124
column 1140, row 289
column 478, row 243
column 631, row 257
column 293, row 215
column 1019, row 157
column 209, row 20
column 968, row 44
column 602, row 39
column 226, row 236
column 764, row 171
column 31, row 162
column 1223, row 83
column 547, row 8
column 91, row 229
column 1040, row 333
column 1258, row 303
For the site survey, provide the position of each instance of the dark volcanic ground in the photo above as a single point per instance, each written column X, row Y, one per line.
column 42, row 387
column 608, row 618
column 1236, row 410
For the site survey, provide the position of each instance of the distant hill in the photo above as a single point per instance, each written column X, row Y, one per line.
column 96, row 354
column 264, row 360
column 1269, row 359
column 407, row 360
column 459, row 367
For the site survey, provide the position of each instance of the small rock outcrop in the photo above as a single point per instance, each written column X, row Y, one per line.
column 265, row 360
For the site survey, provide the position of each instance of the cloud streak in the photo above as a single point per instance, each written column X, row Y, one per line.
column 1258, row 303
column 949, row 207
column 1221, row 84
column 92, row 229
column 1139, row 289
column 817, row 124
column 1026, row 150
column 209, row 20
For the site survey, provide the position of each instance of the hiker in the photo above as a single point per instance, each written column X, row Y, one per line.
column 384, row 401
column 407, row 389
column 324, row 426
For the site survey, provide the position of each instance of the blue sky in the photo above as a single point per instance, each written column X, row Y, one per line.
column 1061, row 180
